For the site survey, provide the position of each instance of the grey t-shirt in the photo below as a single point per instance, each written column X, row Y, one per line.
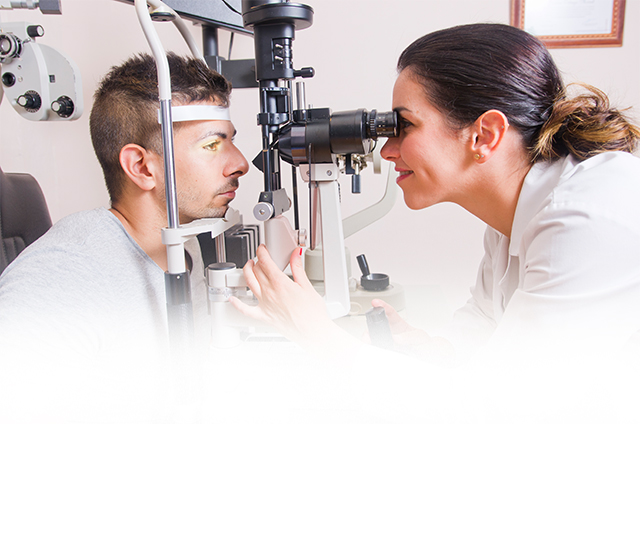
column 87, row 287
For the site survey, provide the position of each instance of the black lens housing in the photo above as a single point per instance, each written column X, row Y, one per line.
column 316, row 135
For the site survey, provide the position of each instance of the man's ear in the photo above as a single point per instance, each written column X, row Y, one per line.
column 141, row 166
column 488, row 133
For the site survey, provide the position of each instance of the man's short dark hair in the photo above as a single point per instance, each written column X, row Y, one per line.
column 126, row 103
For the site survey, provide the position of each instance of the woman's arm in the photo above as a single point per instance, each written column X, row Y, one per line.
column 292, row 307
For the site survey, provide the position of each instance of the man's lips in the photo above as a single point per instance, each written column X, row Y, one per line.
column 231, row 191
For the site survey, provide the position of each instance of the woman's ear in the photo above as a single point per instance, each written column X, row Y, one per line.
column 141, row 166
column 488, row 133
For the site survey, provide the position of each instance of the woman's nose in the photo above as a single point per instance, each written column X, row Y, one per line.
column 390, row 149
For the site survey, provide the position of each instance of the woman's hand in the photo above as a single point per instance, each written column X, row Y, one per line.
column 294, row 308
column 412, row 340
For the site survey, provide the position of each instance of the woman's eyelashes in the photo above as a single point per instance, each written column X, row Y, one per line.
column 404, row 123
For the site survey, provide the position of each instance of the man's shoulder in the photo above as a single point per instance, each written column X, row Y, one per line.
column 85, row 273
column 79, row 247
column 81, row 234
column 79, row 226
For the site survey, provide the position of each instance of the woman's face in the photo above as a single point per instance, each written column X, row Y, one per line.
column 432, row 160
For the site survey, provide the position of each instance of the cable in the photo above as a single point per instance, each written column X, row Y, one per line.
column 230, row 45
column 231, row 7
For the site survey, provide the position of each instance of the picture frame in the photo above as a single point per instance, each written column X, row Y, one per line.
column 571, row 23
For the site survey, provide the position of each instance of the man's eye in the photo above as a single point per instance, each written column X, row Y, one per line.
column 213, row 145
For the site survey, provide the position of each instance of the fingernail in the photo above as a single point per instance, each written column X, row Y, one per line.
column 300, row 253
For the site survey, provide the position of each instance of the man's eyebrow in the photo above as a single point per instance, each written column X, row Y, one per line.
column 220, row 134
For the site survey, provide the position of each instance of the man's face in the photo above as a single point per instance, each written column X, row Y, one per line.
column 208, row 166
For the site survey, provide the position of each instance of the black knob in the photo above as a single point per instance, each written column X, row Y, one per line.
column 63, row 106
column 364, row 266
column 30, row 101
column 35, row 31
column 369, row 281
column 355, row 184
column 8, row 79
column 305, row 72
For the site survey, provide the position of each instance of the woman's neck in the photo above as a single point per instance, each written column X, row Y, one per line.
column 494, row 194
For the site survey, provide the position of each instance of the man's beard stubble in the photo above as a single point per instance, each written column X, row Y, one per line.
column 189, row 207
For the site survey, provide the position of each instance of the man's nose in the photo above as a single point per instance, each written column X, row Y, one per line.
column 237, row 164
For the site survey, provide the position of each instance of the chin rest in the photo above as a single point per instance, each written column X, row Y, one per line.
column 24, row 215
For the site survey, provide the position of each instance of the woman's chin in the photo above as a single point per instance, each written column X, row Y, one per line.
column 414, row 204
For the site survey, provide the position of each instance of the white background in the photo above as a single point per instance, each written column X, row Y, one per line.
column 344, row 483
column 353, row 46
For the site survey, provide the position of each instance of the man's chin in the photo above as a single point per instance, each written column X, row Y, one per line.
column 208, row 213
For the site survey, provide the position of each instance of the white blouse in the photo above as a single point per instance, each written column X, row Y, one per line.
column 571, row 269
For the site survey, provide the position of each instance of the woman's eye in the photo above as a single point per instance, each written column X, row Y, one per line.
column 213, row 145
column 404, row 123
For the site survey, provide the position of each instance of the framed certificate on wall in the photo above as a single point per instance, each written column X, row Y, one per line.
column 571, row 23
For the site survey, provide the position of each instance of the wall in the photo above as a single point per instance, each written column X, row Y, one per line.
column 353, row 45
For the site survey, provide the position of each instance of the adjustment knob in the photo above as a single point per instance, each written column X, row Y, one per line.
column 35, row 31
column 305, row 72
column 8, row 79
column 30, row 101
column 263, row 211
column 63, row 106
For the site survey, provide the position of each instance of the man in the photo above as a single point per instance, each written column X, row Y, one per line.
column 94, row 284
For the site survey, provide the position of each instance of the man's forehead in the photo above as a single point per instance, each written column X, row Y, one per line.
column 198, row 111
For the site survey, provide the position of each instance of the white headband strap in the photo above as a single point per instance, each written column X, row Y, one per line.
column 186, row 113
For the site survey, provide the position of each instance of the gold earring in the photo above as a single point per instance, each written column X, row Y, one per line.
column 478, row 156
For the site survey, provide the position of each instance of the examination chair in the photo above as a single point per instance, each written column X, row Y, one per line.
column 24, row 215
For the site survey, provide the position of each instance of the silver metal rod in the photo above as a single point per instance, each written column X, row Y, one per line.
column 301, row 98
column 314, row 214
column 169, row 164
column 221, row 250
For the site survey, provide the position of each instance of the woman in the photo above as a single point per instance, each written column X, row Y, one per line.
column 487, row 123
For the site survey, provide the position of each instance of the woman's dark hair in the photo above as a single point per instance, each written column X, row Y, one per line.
column 468, row 70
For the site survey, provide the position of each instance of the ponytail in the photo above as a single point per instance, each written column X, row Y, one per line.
column 584, row 126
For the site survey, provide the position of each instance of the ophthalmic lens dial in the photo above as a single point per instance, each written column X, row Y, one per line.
column 30, row 100
column 63, row 106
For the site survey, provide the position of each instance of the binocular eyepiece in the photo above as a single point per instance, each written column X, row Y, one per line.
column 317, row 134
column 381, row 124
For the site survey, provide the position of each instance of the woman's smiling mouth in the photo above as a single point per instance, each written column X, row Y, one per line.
column 402, row 174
